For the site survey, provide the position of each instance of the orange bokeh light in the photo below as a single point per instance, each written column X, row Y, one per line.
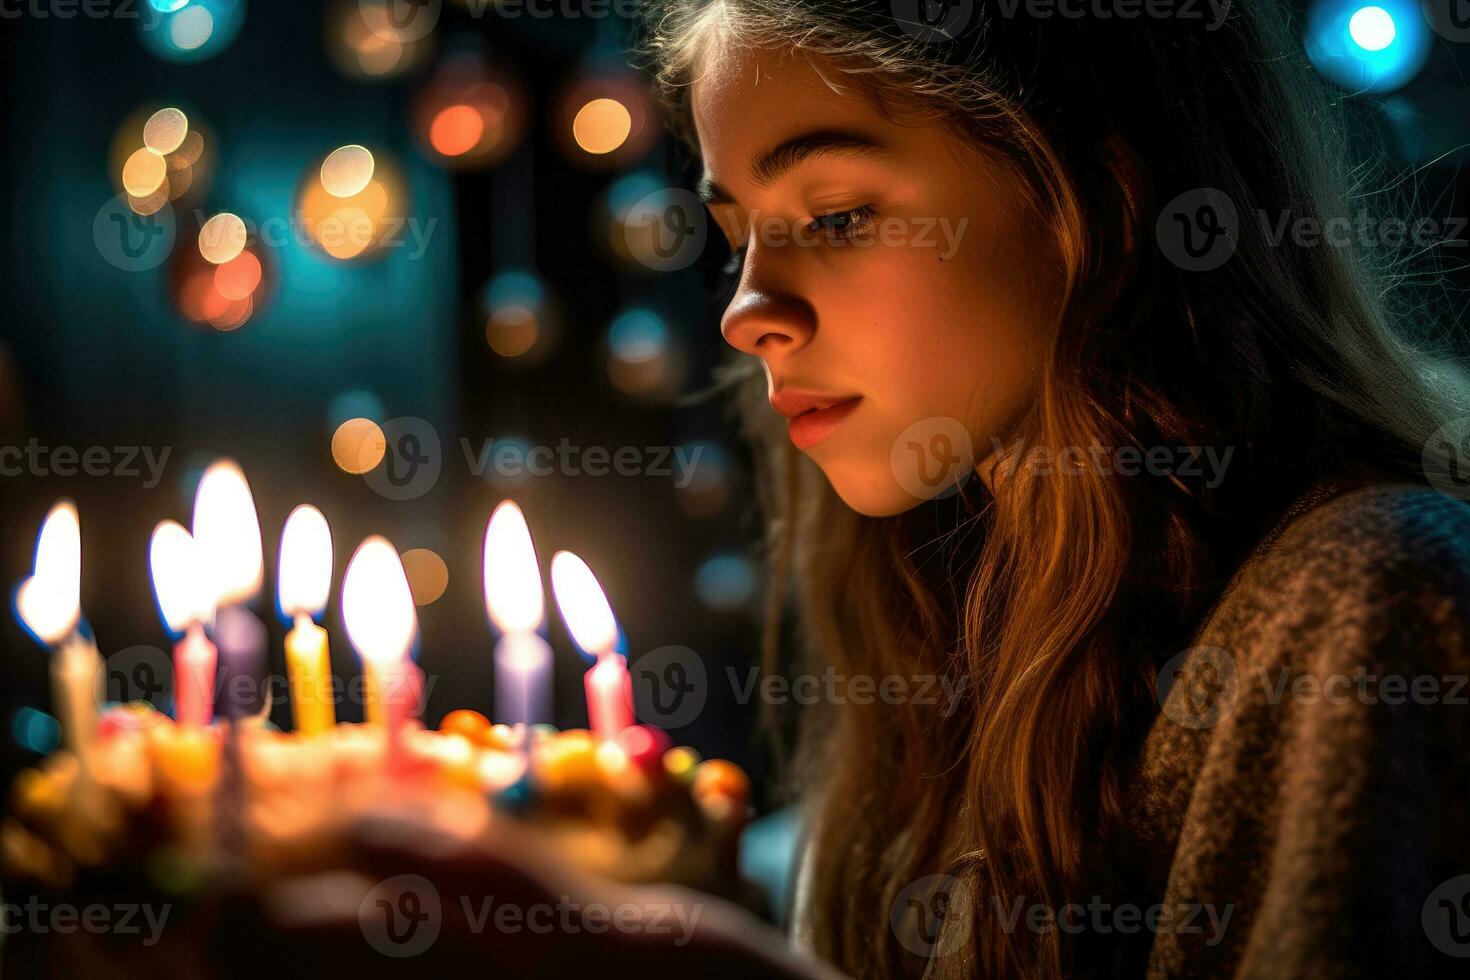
column 456, row 130
column 237, row 278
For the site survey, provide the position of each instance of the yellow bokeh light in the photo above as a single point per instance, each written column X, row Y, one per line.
column 222, row 238
column 602, row 126
column 346, row 228
column 428, row 576
column 165, row 130
column 358, row 445
column 144, row 173
column 347, row 170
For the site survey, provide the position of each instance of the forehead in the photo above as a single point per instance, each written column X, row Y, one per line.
column 745, row 101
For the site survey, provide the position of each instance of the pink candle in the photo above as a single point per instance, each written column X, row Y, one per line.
column 609, row 696
column 178, row 581
column 194, row 662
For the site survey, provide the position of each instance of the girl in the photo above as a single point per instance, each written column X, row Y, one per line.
column 1000, row 241
column 1059, row 425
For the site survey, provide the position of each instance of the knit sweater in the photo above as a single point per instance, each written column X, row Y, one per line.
column 1301, row 807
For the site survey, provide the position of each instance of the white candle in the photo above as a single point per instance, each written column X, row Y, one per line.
column 516, row 605
column 584, row 606
column 49, row 604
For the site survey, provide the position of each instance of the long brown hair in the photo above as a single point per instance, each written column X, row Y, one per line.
column 1296, row 357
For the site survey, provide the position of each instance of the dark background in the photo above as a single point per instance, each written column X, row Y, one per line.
column 92, row 355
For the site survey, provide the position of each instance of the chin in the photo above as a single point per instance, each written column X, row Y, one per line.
column 870, row 490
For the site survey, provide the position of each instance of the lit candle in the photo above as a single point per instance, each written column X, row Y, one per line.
column 304, row 579
column 584, row 606
column 182, row 599
column 515, row 602
column 49, row 604
column 227, row 533
column 377, row 607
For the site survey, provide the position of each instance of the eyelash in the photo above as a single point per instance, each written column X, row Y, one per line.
column 856, row 220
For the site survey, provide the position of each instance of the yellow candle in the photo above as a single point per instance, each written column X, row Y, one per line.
column 304, row 580
column 310, row 671
column 76, row 670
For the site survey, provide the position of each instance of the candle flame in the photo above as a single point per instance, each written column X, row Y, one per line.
column 377, row 604
column 305, row 575
column 583, row 604
column 49, row 602
column 513, row 594
column 227, row 534
column 173, row 557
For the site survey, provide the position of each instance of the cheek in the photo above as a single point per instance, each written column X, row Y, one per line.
column 960, row 339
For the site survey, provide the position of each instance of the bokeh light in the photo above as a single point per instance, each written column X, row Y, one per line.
column 601, row 126
column 642, row 360
column 157, row 156
column 191, row 31
column 725, row 582
column 1367, row 47
column 347, row 170
column 165, row 130
column 469, row 115
column 222, row 238
column 520, row 321
column 348, row 202
column 222, row 281
column 705, row 489
column 35, row 731
column 144, row 173
column 355, row 403
column 238, row 278
column 358, row 446
column 428, row 576
column 605, row 121
column 365, row 42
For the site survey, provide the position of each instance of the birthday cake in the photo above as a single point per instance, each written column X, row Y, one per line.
column 192, row 818
column 208, row 811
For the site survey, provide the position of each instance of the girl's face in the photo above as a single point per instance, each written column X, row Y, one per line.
column 895, row 286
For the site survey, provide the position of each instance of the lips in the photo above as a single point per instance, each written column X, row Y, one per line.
column 812, row 416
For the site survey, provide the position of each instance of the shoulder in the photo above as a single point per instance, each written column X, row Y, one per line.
column 1382, row 568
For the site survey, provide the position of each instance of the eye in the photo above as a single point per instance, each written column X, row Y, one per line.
column 842, row 225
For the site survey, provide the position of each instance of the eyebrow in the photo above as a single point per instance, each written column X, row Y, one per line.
column 766, row 168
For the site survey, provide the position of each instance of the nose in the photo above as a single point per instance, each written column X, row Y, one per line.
column 766, row 321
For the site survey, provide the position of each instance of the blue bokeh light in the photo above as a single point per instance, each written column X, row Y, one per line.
column 35, row 731
column 1367, row 47
column 187, row 31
